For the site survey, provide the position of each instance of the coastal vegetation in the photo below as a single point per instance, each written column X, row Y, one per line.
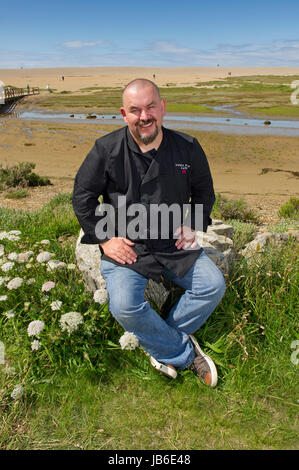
column 21, row 175
column 73, row 387
column 252, row 95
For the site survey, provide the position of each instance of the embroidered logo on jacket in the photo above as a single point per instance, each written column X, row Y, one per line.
column 184, row 167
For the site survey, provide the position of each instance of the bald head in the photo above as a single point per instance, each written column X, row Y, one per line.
column 139, row 84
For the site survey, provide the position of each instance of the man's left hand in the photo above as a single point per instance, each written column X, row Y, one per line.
column 187, row 238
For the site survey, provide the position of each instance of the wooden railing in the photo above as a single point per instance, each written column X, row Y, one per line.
column 11, row 92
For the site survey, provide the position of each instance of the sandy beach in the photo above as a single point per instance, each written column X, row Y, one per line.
column 237, row 161
column 83, row 77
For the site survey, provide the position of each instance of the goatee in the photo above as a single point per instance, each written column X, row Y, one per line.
column 148, row 139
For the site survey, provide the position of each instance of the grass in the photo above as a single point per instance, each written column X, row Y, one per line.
column 16, row 194
column 84, row 392
column 233, row 209
column 257, row 95
column 290, row 209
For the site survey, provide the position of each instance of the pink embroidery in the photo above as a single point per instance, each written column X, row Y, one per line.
column 184, row 171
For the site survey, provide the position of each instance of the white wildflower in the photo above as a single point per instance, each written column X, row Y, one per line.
column 3, row 297
column 22, row 257
column 13, row 235
column 3, row 235
column 45, row 298
column 100, row 296
column 55, row 264
column 56, row 304
column 30, row 281
column 17, row 392
column 15, row 283
column 14, row 232
column 70, row 321
column 26, row 306
column 1, row 250
column 7, row 266
column 35, row 328
column 13, row 256
column 45, row 242
column 28, row 265
column 48, row 286
column 128, row 341
column 35, row 345
column 43, row 257
column 10, row 313
column 3, row 279
column 9, row 370
column 71, row 266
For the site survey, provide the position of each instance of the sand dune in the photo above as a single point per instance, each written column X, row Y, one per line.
column 82, row 77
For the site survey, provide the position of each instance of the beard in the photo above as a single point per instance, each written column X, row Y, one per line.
column 147, row 139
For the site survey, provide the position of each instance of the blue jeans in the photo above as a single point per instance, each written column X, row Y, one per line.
column 166, row 340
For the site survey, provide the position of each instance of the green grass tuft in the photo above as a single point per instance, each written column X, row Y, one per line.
column 290, row 209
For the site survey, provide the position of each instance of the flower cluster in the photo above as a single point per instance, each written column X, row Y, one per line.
column 70, row 321
column 128, row 341
column 35, row 328
column 45, row 323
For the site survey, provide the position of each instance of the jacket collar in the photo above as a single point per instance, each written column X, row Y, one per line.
column 135, row 147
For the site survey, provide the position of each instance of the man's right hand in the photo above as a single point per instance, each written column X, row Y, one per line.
column 120, row 250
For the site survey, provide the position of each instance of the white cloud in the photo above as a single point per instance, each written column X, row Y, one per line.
column 79, row 44
column 169, row 47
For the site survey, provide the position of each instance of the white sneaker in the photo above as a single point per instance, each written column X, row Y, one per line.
column 164, row 368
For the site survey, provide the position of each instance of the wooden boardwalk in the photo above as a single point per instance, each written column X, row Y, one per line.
column 9, row 97
column 11, row 93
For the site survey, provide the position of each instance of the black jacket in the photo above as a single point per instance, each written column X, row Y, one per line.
column 177, row 173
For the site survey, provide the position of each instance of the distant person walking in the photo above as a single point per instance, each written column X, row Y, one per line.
column 28, row 89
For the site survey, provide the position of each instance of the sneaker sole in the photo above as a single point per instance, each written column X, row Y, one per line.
column 214, row 375
column 166, row 370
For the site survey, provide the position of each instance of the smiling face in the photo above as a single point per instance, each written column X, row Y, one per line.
column 143, row 111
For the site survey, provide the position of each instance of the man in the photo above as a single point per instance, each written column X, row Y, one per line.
column 146, row 164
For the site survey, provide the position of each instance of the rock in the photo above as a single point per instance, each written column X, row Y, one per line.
column 221, row 229
column 163, row 295
column 267, row 123
column 91, row 116
column 263, row 239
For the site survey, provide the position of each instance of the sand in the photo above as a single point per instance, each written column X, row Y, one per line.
column 58, row 150
column 82, row 77
column 236, row 162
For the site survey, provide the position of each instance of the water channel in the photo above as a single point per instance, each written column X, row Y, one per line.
column 236, row 123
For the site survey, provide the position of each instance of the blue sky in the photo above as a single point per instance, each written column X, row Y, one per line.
column 153, row 33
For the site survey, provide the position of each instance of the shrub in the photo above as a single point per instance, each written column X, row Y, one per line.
column 21, row 175
column 234, row 209
column 290, row 210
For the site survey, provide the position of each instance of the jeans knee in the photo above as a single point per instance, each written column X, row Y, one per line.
column 123, row 307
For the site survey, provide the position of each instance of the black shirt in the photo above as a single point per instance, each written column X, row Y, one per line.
column 178, row 172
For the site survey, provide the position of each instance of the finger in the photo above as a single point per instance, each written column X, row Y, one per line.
column 181, row 243
column 129, row 255
column 118, row 259
column 128, row 242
